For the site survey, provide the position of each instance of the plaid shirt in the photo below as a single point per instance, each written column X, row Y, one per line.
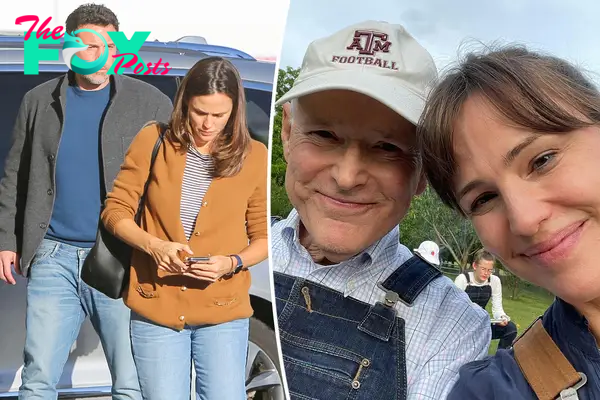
column 444, row 329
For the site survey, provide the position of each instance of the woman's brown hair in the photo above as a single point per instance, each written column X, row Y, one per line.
column 529, row 89
column 209, row 76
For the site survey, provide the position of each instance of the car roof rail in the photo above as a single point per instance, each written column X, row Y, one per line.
column 210, row 49
column 192, row 39
column 15, row 40
column 11, row 33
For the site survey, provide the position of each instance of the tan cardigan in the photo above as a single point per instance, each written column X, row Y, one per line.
column 170, row 299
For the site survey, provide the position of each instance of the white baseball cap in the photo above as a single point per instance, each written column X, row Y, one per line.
column 375, row 58
column 429, row 251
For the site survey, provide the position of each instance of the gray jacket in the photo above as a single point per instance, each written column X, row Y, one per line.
column 27, row 187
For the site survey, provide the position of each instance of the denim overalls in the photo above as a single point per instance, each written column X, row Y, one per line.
column 479, row 295
column 336, row 347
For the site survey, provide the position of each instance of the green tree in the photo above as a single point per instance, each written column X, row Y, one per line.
column 280, row 204
column 430, row 219
column 285, row 80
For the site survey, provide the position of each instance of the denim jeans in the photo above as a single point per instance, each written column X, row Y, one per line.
column 58, row 302
column 339, row 348
column 163, row 358
column 507, row 334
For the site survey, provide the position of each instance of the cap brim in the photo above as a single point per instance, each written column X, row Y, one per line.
column 427, row 258
column 387, row 90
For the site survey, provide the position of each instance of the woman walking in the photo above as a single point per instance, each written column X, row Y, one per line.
column 204, row 223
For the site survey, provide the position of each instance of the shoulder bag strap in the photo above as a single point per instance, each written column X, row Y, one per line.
column 547, row 370
column 159, row 141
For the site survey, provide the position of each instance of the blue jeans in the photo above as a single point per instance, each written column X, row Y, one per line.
column 58, row 302
column 163, row 359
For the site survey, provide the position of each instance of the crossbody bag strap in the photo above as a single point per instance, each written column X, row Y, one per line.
column 159, row 141
column 547, row 370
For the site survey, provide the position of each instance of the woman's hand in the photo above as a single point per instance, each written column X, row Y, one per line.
column 166, row 255
column 211, row 270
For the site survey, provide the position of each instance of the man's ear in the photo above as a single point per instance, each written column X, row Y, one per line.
column 422, row 185
column 286, row 128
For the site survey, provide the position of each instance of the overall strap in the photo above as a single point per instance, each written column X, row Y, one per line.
column 409, row 280
column 404, row 284
column 466, row 274
column 546, row 369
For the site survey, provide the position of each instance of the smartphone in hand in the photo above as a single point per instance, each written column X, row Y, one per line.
column 192, row 260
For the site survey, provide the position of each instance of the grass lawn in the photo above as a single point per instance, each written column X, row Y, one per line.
column 522, row 311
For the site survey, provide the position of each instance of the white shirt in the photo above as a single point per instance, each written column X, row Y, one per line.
column 444, row 329
column 495, row 283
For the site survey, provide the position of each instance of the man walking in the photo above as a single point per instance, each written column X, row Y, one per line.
column 68, row 144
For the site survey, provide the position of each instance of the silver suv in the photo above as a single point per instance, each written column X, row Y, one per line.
column 86, row 373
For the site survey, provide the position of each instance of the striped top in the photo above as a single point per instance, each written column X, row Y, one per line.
column 197, row 177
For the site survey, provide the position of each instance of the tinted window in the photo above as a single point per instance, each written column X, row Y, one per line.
column 15, row 84
column 166, row 84
column 258, row 108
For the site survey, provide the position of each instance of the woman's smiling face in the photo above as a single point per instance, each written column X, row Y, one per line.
column 533, row 198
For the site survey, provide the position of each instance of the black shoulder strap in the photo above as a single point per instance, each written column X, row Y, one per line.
column 490, row 279
column 159, row 141
column 466, row 274
column 410, row 279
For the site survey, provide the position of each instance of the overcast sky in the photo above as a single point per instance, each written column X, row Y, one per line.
column 569, row 29
column 253, row 26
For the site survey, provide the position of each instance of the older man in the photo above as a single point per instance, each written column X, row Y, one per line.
column 359, row 316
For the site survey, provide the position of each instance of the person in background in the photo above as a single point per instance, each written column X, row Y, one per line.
column 429, row 251
column 481, row 284
column 67, row 148
column 510, row 140
column 206, row 198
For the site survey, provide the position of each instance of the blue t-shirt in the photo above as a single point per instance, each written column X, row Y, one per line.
column 78, row 197
column 500, row 378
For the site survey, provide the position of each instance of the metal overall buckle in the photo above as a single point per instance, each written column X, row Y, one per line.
column 571, row 393
column 391, row 297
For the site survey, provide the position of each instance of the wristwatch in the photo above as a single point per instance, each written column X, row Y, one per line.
column 239, row 264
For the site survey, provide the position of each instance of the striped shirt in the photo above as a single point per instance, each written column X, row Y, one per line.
column 197, row 177
column 443, row 328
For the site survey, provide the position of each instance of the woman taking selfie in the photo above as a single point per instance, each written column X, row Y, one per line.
column 511, row 140
column 204, row 223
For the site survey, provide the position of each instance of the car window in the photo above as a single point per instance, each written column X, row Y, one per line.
column 258, row 108
column 166, row 84
column 258, row 104
column 16, row 84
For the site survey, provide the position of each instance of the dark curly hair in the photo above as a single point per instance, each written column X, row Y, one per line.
column 91, row 14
